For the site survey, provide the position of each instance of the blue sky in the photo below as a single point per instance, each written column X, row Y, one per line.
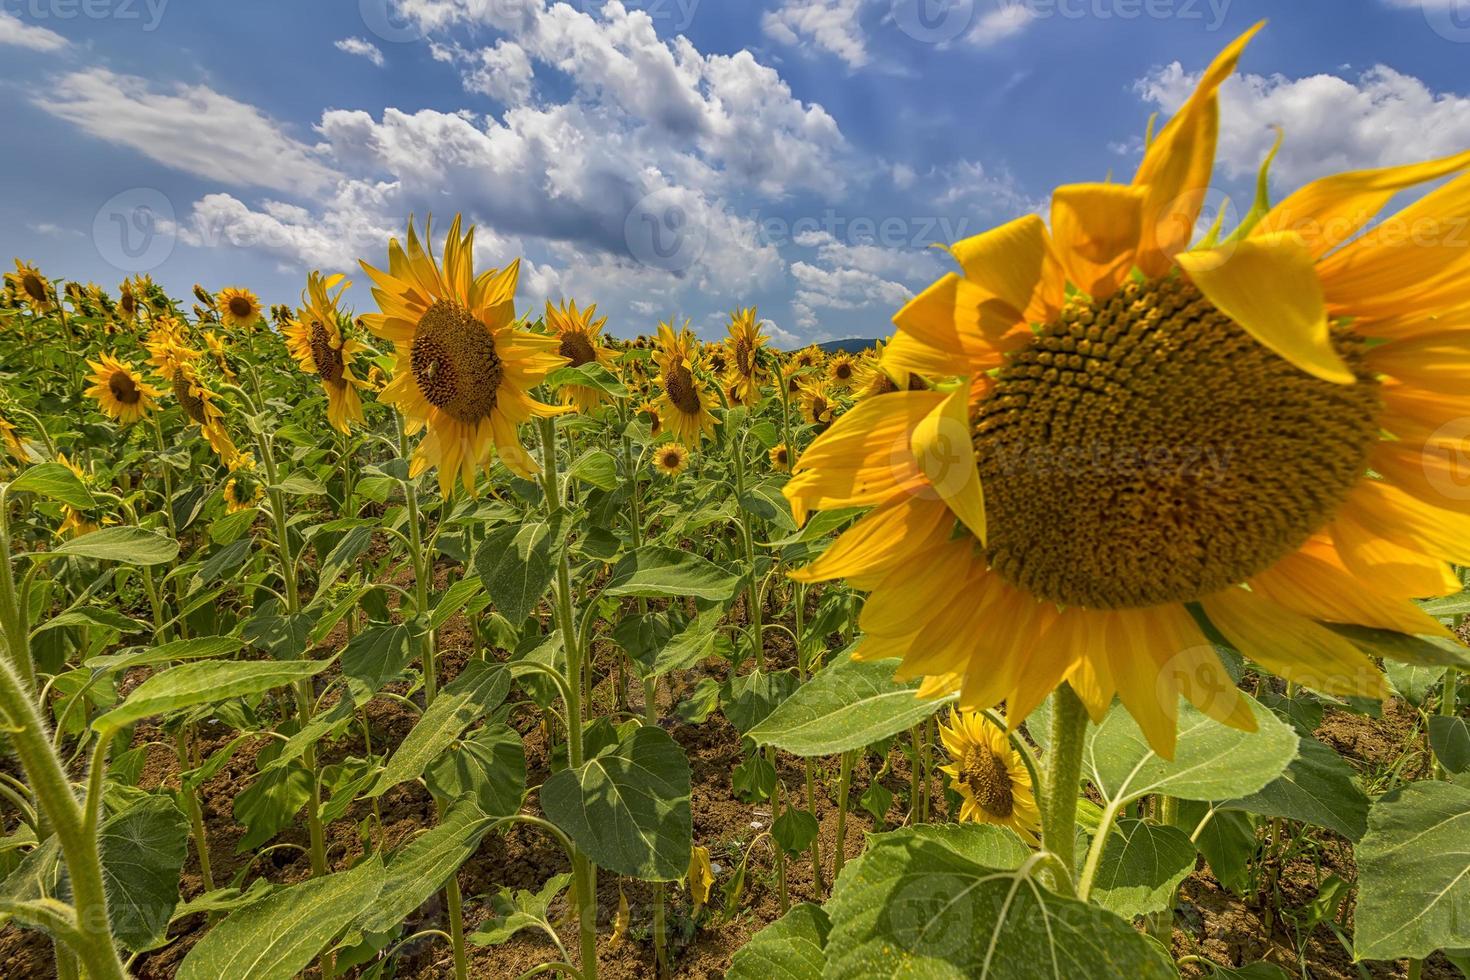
column 660, row 157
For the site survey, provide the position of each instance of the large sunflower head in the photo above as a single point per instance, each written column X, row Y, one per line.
column 238, row 307
column 318, row 342
column 1258, row 430
column 464, row 365
column 989, row 775
column 670, row 458
column 743, row 370
column 31, row 288
column 578, row 335
column 685, row 402
column 120, row 391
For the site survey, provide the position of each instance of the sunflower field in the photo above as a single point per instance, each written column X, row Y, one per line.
column 1103, row 621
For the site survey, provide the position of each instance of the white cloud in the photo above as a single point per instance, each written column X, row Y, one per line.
column 831, row 25
column 187, row 127
column 18, row 33
column 857, row 276
column 51, row 230
column 504, row 73
column 361, row 48
column 1008, row 19
column 1332, row 124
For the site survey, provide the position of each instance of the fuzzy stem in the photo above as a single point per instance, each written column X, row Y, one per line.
column 1063, row 774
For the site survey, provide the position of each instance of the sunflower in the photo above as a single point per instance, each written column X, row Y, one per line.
column 816, row 402
column 74, row 523
column 1260, row 430
column 127, row 303
column 238, row 307
column 685, row 401
column 30, row 287
column 463, row 366
column 877, row 377
column 315, row 339
column 198, row 402
column 120, row 391
column 655, row 420
column 988, row 773
column 841, row 370
column 579, row 339
column 168, row 349
column 10, row 438
column 809, row 356
column 243, row 490
column 670, row 458
column 744, row 372
column 216, row 350
column 780, row 457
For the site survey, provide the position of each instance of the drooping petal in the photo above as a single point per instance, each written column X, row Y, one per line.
column 886, row 537
column 1268, row 285
column 945, row 454
column 1095, row 228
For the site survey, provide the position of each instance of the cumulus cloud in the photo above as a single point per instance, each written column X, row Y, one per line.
column 18, row 33
column 1381, row 118
column 191, row 128
column 830, row 25
column 849, row 276
column 361, row 48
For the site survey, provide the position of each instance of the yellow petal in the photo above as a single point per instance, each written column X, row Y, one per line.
column 1013, row 263
column 1293, row 646
column 1391, row 568
column 1268, row 285
column 1434, row 361
column 1329, row 211
column 890, row 535
column 1176, row 167
column 907, row 352
column 943, row 448
column 1394, row 514
column 1095, row 228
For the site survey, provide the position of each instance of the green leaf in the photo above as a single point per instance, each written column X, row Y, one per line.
column 130, row 545
column 453, row 599
column 374, row 657
column 272, row 800
column 1211, row 761
column 1450, row 739
column 629, row 807
column 654, row 572
column 1418, row 651
column 353, row 545
column 750, row 698
column 221, row 564
column 788, row 949
column 517, row 563
column 473, row 694
column 276, row 937
column 55, row 481
column 1448, row 606
column 589, row 375
column 195, row 648
column 300, row 483
column 1318, row 788
column 596, row 467
column 98, row 616
column 1414, row 873
column 795, row 830
column 143, row 850
column 490, row 765
column 1413, row 684
column 913, row 906
column 766, row 501
column 205, row 682
column 1227, row 840
column 422, row 867
column 520, row 910
column 1142, row 864
column 846, row 705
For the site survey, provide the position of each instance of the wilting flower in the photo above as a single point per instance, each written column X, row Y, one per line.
column 244, row 489
column 1206, row 429
column 670, row 458
column 120, row 391
column 989, row 774
column 464, row 367
column 199, row 405
column 238, row 307
column 30, row 287
column 701, row 876
column 684, row 405
column 315, row 339
column 579, row 340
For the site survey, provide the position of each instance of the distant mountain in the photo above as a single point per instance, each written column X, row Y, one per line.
column 851, row 346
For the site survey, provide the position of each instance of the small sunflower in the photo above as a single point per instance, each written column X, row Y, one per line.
column 215, row 347
column 990, row 776
column 121, row 392
column 816, row 402
column 168, row 349
column 10, row 438
column 74, row 523
column 244, row 489
column 655, row 420
column 670, row 458
column 316, row 340
column 198, row 403
column 875, row 377
column 579, row 340
column 31, row 288
column 684, row 404
column 743, row 371
column 464, row 366
column 127, row 303
column 238, row 307
column 1260, row 432
column 780, row 457
column 204, row 296
column 810, row 356
column 841, row 370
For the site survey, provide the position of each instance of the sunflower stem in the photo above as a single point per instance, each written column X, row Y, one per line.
column 1063, row 774
column 844, row 789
